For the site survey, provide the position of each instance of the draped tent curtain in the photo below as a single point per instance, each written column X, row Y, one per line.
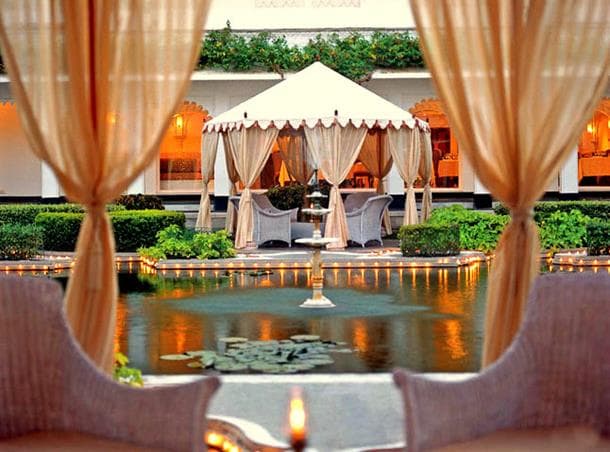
column 294, row 154
column 405, row 148
column 231, row 218
column 209, row 145
column 376, row 157
column 96, row 84
column 250, row 149
column 334, row 150
column 519, row 80
column 426, row 171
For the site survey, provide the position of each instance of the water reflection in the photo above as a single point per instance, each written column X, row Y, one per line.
column 424, row 319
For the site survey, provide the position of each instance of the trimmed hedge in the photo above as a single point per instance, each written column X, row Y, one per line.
column 592, row 209
column 429, row 240
column 19, row 242
column 140, row 202
column 26, row 213
column 563, row 230
column 598, row 237
column 479, row 231
column 287, row 197
column 132, row 228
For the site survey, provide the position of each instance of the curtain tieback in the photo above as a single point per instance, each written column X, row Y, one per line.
column 522, row 215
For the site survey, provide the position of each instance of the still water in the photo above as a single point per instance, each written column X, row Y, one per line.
column 427, row 320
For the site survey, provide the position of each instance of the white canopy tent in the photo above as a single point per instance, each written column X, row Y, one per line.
column 319, row 117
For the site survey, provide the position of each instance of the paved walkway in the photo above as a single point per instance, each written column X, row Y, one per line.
column 346, row 411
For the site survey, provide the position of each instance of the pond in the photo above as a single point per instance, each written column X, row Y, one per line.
column 428, row 320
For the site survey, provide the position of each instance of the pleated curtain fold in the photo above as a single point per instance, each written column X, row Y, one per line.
column 404, row 145
column 96, row 84
column 231, row 218
column 426, row 171
column 209, row 145
column 250, row 149
column 377, row 159
column 294, row 154
column 518, row 80
column 334, row 150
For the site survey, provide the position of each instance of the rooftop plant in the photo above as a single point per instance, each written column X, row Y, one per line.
column 355, row 55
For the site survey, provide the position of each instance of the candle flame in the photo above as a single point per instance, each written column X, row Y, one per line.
column 297, row 417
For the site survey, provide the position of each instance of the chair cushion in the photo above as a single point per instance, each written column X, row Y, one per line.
column 58, row 441
column 561, row 439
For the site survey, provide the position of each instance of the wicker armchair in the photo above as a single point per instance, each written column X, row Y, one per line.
column 52, row 396
column 269, row 224
column 263, row 202
column 356, row 200
column 364, row 224
column 555, row 375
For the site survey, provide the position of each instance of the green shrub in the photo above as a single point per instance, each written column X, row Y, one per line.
column 140, row 202
column 287, row 197
column 429, row 240
column 137, row 228
column 19, row 241
column 562, row 230
column 26, row 213
column 592, row 209
column 177, row 243
column 59, row 230
column 355, row 55
column 478, row 230
column 598, row 237
column 124, row 374
column 213, row 245
column 132, row 228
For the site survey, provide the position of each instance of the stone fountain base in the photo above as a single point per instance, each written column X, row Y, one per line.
column 321, row 302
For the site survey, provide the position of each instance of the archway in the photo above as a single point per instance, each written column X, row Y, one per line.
column 445, row 153
column 594, row 149
column 180, row 150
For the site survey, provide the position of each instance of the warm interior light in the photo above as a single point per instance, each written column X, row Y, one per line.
column 590, row 128
column 179, row 129
column 297, row 417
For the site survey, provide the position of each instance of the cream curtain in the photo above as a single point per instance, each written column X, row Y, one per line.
column 294, row 154
column 96, row 84
column 250, row 149
column 426, row 171
column 231, row 218
column 209, row 145
column 519, row 80
column 376, row 157
column 334, row 151
column 405, row 148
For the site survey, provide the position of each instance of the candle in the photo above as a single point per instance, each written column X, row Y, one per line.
column 297, row 420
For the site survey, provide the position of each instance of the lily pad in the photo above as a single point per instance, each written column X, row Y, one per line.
column 233, row 340
column 305, row 338
column 196, row 353
column 319, row 361
column 230, row 366
column 262, row 366
column 340, row 350
column 176, row 357
column 196, row 365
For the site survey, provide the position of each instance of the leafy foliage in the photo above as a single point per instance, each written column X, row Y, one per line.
column 19, row 241
column 140, row 202
column 124, row 374
column 592, row 209
column 478, row 230
column 598, row 237
column 177, row 243
column 429, row 240
column 355, row 56
column 132, row 228
column 287, row 197
column 26, row 213
column 561, row 230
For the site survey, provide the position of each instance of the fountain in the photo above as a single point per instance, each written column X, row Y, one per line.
column 317, row 242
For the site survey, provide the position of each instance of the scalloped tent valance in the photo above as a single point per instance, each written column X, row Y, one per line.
column 316, row 95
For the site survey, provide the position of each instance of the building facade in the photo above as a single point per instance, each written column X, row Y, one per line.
column 176, row 172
